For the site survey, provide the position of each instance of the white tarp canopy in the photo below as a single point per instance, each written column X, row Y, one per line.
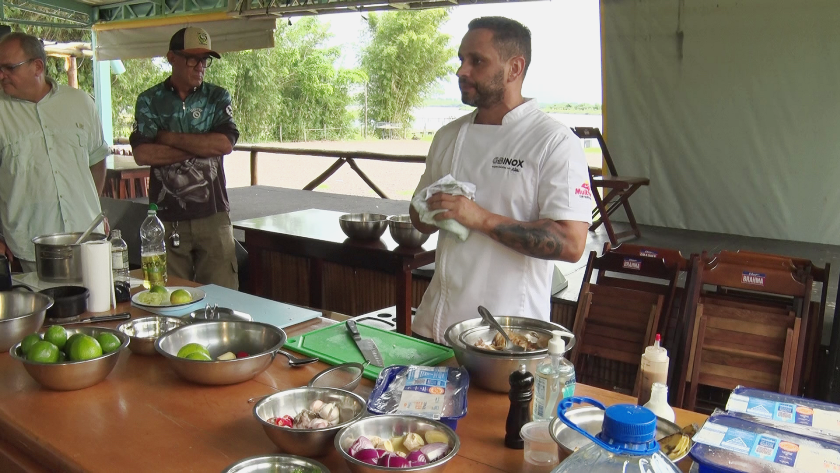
column 152, row 41
column 729, row 108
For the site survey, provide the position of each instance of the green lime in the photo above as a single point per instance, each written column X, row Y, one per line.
column 57, row 336
column 192, row 348
column 150, row 298
column 180, row 296
column 109, row 342
column 159, row 290
column 200, row 356
column 43, row 352
column 28, row 341
column 85, row 348
column 72, row 339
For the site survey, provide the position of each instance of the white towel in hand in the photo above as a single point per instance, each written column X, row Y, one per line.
column 448, row 185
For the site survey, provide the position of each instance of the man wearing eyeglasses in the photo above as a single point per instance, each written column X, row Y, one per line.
column 183, row 129
column 52, row 152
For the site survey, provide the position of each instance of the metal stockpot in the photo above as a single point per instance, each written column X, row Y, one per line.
column 58, row 258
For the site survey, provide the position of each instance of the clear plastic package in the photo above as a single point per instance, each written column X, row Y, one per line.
column 731, row 444
column 808, row 417
column 436, row 392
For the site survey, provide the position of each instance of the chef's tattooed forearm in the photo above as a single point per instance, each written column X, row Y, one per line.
column 541, row 239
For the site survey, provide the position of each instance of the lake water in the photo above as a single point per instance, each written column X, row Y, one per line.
column 429, row 119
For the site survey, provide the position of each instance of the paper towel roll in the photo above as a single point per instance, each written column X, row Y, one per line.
column 97, row 275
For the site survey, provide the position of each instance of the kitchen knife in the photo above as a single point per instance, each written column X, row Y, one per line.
column 100, row 318
column 366, row 346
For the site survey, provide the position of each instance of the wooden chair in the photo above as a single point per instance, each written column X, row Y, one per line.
column 618, row 190
column 754, row 335
column 614, row 323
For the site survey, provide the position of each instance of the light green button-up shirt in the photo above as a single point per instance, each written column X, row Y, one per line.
column 46, row 150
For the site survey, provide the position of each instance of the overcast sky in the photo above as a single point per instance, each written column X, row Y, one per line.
column 566, row 57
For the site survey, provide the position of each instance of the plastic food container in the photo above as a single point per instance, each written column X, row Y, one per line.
column 540, row 448
column 435, row 392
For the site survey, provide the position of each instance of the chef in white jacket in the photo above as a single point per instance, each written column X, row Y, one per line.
column 532, row 200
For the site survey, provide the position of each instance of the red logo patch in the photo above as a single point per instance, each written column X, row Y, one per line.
column 584, row 191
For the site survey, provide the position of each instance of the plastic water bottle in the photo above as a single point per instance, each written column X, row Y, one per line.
column 153, row 250
column 119, row 265
column 658, row 403
column 555, row 379
column 626, row 443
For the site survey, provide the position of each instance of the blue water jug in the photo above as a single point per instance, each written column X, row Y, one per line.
column 627, row 442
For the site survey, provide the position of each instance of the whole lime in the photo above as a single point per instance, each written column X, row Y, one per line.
column 85, row 348
column 43, row 352
column 72, row 339
column 109, row 342
column 180, row 296
column 28, row 341
column 192, row 348
column 56, row 335
column 200, row 356
column 159, row 290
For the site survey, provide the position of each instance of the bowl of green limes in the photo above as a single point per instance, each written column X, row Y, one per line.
column 70, row 359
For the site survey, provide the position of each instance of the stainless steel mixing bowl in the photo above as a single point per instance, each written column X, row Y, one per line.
column 261, row 341
column 145, row 331
column 73, row 375
column 387, row 426
column 307, row 442
column 404, row 233
column 489, row 370
column 21, row 313
column 277, row 464
column 364, row 226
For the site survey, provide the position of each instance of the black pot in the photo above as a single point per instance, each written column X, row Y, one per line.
column 70, row 301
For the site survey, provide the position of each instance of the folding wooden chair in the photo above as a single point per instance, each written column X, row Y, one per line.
column 618, row 190
column 614, row 323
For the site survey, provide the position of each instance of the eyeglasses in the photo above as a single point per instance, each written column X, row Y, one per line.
column 193, row 61
column 8, row 69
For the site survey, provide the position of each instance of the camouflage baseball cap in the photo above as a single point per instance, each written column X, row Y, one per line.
column 192, row 40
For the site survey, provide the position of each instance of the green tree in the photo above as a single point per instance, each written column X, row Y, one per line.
column 405, row 57
column 139, row 75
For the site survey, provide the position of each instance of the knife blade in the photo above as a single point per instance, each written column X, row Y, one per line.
column 366, row 346
column 100, row 318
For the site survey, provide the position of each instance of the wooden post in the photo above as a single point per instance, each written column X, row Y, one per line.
column 254, row 167
column 72, row 72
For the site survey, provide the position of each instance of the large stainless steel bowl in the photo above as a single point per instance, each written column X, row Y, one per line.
column 489, row 370
column 21, row 313
column 307, row 442
column 58, row 258
column 590, row 419
column 73, row 375
column 277, row 464
column 387, row 426
column 261, row 341
column 363, row 226
column 144, row 332
column 404, row 233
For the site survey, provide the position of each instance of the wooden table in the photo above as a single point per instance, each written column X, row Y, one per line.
column 315, row 234
column 143, row 417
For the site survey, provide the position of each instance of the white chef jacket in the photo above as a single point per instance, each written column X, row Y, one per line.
column 530, row 167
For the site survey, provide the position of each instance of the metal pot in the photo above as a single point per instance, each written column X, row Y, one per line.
column 21, row 313
column 58, row 258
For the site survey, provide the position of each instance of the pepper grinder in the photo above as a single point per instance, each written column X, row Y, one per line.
column 521, row 392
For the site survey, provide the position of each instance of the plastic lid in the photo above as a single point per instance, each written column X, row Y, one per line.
column 153, row 206
column 556, row 345
column 655, row 353
column 627, row 423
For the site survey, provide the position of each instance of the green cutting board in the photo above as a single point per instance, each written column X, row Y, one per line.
column 335, row 345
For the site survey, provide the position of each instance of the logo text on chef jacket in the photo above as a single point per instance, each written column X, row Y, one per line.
column 756, row 279
column 501, row 162
column 634, row 264
column 583, row 191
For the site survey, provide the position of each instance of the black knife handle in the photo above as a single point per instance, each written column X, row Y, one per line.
column 108, row 318
column 351, row 327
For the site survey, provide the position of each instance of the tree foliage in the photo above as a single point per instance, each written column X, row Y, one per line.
column 139, row 75
column 404, row 59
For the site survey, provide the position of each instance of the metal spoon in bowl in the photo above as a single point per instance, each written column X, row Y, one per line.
column 509, row 345
column 96, row 221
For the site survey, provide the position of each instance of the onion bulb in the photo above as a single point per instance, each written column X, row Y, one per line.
column 361, row 443
column 435, row 451
column 367, row 455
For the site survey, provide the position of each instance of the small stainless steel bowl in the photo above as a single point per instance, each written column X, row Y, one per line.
column 261, row 341
column 345, row 376
column 404, row 233
column 307, row 442
column 590, row 419
column 145, row 331
column 21, row 313
column 276, row 464
column 73, row 375
column 387, row 426
column 489, row 370
column 363, row 226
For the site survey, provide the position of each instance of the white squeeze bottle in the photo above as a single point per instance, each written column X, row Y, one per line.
column 659, row 402
column 555, row 379
column 654, row 369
